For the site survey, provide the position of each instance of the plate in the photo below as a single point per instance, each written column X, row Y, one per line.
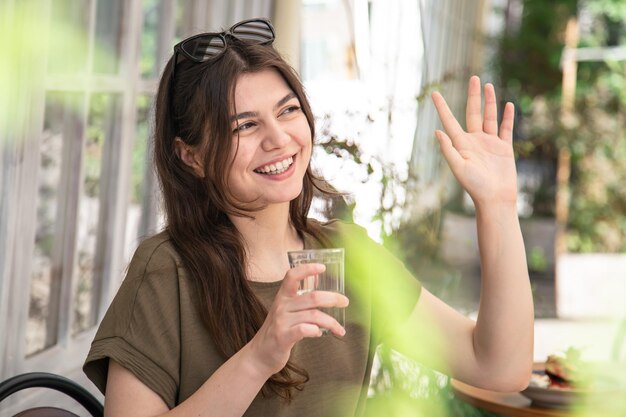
column 606, row 389
column 550, row 398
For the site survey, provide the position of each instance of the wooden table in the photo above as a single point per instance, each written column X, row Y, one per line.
column 504, row 403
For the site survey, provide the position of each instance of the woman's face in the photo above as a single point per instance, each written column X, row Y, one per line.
column 271, row 141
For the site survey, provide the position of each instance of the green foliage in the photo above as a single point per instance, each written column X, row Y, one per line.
column 597, row 220
column 140, row 144
column 149, row 36
column 25, row 35
column 609, row 28
column 527, row 67
column 368, row 166
column 596, row 131
column 528, row 61
column 401, row 387
column 404, row 388
column 596, row 137
column 99, row 113
column 537, row 260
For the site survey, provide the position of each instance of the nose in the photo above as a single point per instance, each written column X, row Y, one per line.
column 275, row 136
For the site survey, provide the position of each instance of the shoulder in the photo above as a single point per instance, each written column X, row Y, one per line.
column 154, row 270
column 154, row 254
column 141, row 328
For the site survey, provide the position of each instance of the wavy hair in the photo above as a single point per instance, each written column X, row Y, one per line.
column 197, row 209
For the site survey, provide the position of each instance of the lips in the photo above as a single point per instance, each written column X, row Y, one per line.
column 275, row 168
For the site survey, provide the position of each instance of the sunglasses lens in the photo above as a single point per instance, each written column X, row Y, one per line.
column 204, row 47
column 255, row 31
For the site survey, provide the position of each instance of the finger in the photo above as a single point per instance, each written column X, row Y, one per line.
column 448, row 120
column 292, row 279
column 302, row 330
column 473, row 117
column 506, row 127
column 490, row 123
column 454, row 159
column 317, row 299
column 320, row 319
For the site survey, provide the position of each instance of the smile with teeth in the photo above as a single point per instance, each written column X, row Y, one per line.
column 275, row 168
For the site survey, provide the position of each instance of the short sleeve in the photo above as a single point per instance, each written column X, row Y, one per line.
column 141, row 328
column 375, row 273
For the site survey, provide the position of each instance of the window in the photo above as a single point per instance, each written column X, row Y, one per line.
column 78, row 190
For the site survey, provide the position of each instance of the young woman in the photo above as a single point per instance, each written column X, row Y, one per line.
column 208, row 321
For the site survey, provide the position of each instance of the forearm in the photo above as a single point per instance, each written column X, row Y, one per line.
column 228, row 392
column 503, row 336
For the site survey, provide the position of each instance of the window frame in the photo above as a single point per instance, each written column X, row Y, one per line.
column 19, row 177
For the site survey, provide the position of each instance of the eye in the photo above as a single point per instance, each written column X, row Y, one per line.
column 290, row 109
column 243, row 127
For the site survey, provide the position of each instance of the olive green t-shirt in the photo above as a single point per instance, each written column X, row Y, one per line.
column 153, row 328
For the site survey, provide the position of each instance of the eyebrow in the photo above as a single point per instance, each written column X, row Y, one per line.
column 280, row 102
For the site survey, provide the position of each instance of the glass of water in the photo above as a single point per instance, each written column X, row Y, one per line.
column 330, row 280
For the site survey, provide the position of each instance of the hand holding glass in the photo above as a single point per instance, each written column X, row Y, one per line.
column 330, row 280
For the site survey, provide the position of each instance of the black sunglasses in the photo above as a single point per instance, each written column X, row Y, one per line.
column 206, row 46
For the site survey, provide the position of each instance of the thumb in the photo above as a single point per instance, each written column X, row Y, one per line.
column 452, row 156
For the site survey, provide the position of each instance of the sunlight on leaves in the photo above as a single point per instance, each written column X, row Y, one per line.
column 32, row 42
column 405, row 383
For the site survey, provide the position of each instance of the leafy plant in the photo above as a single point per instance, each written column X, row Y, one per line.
column 595, row 133
column 597, row 220
column 401, row 387
column 404, row 388
column 537, row 260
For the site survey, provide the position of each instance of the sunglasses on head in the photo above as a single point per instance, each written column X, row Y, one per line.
column 207, row 46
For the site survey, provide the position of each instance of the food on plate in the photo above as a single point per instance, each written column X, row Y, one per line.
column 564, row 380
column 565, row 369
column 539, row 379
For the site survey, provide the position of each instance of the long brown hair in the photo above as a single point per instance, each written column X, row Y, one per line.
column 197, row 208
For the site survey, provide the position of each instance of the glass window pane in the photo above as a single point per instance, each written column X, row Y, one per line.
column 183, row 10
column 144, row 113
column 326, row 47
column 149, row 38
column 109, row 36
column 103, row 121
column 62, row 127
column 138, row 173
column 69, row 26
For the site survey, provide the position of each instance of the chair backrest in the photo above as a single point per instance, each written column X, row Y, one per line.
column 45, row 412
column 55, row 382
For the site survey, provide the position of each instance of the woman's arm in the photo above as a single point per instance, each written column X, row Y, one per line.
column 228, row 392
column 233, row 387
column 496, row 351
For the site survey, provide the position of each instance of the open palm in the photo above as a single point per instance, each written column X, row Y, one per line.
column 481, row 158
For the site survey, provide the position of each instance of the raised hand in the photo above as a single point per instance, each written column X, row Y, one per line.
column 293, row 317
column 481, row 158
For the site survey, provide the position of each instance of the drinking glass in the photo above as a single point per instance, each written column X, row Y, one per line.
column 330, row 280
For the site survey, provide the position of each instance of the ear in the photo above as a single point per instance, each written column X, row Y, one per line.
column 188, row 155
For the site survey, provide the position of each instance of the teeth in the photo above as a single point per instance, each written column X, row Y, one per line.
column 276, row 168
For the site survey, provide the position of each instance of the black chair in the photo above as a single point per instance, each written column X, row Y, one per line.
column 55, row 382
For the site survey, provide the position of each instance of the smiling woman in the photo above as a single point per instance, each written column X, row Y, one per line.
column 209, row 320
column 271, row 141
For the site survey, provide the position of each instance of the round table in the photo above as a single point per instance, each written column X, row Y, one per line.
column 510, row 404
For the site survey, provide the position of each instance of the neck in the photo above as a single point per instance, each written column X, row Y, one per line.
column 267, row 239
